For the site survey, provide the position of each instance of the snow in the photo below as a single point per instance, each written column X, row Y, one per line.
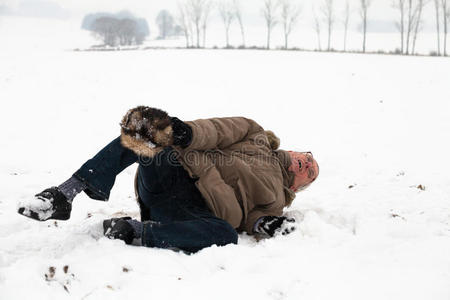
column 377, row 125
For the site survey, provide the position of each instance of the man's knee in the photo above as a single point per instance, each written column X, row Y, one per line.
column 228, row 235
column 159, row 172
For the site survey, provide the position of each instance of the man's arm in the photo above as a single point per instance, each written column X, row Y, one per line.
column 147, row 130
column 220, row 133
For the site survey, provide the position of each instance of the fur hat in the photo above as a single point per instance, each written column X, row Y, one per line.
column 146, row 130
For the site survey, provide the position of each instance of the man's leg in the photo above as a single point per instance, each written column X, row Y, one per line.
column 178, row 215
column 96, row 177
column 99, row 173
column 200, row 232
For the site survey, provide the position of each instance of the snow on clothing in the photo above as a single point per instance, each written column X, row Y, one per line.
column 236, row 169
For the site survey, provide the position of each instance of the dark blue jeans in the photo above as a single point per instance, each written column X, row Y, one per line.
column 173, row 210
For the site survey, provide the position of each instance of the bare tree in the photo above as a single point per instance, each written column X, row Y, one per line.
column 269, row 12
column 412, row 8
column 418, row 23
column 437, row 6
column 190, row 27
column 410, row 20
column 114, row 31
column 400, row 5
column 208, row 6
column 165, row 22
column 105, row 28
column 191, row 33
column 289, row 17
column 184, row 23
column 345, row 22
column 126, row 31
column 445, row 19
column 364, row 7
column 409, row 23
column 317, row 29
column 195, row 13
column 238, row 14
column 328, row 13
column 227, row 14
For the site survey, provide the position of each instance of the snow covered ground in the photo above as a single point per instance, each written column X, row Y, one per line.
column 378, row 126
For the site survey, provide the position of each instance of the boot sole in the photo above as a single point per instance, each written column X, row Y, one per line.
column 35, row 216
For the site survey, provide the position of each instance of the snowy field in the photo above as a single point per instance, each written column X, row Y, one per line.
column 375, row 225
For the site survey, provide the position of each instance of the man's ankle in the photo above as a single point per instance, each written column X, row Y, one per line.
column 71, row 187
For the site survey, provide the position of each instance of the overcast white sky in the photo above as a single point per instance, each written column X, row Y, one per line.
column 382, row 15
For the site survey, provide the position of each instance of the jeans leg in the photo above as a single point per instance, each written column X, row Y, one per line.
column 99, row 173
column 178, row 213
column 161, row 183
column 189, row 235
column 159, row 173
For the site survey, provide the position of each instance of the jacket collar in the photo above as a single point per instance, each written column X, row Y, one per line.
column 288, row 177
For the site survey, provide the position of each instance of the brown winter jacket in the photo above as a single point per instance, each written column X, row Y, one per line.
column 241, row 174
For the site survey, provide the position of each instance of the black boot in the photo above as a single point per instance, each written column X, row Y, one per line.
column 49, row 204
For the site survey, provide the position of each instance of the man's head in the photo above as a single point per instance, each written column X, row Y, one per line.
column 305, row 168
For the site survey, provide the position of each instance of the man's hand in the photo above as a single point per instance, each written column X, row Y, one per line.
column 182, row 132
column 272, row 225
column 119, row 228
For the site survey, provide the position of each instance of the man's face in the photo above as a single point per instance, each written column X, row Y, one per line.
column 305, row 168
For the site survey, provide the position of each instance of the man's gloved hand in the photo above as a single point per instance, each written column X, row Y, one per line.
column 119, row 228
column 182, row 132
column 146, row 130
column 272, row 225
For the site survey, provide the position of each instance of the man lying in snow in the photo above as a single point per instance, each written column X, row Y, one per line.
column 196, row 184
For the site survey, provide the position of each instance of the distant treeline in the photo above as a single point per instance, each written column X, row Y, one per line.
column 122, row 28
column 193, row 17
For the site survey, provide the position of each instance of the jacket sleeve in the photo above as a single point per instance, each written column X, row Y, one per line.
column 219, row 133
